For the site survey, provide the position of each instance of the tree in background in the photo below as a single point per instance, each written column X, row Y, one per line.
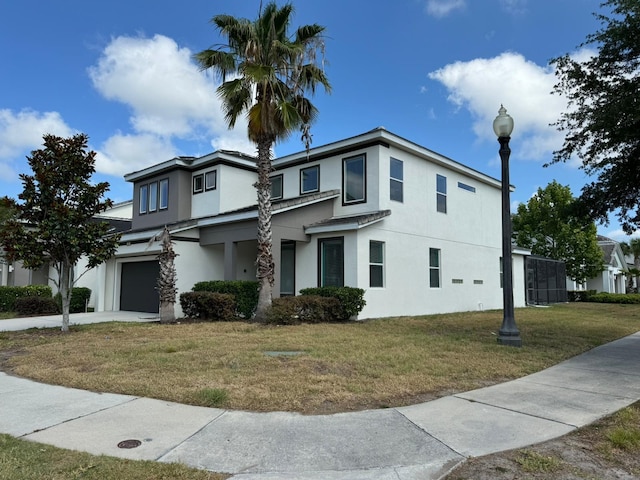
column 602, row 121
column 632, row 248
column 271, row 72
column 550, row 226
column 54, row 224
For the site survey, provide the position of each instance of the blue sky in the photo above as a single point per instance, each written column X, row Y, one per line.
column 432, row 71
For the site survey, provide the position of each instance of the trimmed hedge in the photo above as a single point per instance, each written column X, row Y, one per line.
column 304, row 309
column 579, row 295
column 8, row 295
column 29, row 306
column 622, row 298
column 210, row 306
column 79, row 298
column 351, row 298
column 245, row 293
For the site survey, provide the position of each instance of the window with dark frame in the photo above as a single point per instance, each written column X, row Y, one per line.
column 276, row 187
column 153, row 197
column 164, row 194
column 466, row 187
column 396, row 180
column 354, row 172
column 376, row 264
column 434, row 267
column 210, row 180
column 441, row 193
column 310, row 179
column 144, row 198
column 331, row 262
column 198, row 183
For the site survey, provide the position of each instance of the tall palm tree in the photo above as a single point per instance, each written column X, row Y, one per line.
column 271, row 72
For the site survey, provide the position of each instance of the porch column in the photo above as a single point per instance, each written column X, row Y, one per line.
column 230, row 260
column 100, row 293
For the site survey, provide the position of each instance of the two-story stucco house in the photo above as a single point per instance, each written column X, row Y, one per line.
column 418, row 231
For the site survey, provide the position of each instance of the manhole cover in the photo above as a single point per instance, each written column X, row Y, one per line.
column 129, row 444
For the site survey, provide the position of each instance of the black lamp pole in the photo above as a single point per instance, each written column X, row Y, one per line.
column 508, row 333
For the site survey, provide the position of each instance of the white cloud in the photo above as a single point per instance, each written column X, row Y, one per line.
column 514, row 6
column 620, row 236
column 23, row 131
column 442, row 8
column 169, row 98
column 482, row 85
column 122, row 154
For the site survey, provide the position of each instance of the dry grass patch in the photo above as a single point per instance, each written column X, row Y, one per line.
column 373, row 364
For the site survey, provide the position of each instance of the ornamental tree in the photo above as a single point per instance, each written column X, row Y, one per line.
column 54, row 222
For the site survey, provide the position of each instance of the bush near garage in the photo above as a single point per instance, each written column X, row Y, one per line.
column 8, row 295
column 245, row 293
column 210, row 306
column 305, row 309
column 79, row 299
column 351, row 298
column 30, row 306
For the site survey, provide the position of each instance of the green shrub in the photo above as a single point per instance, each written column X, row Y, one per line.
column 211, row 306
column 628, row 298
column 79, row 298
column 245, row 293
column 29, row 306
column 579, row 295
column 304, row 309
column 351, row 299
column 8, row 295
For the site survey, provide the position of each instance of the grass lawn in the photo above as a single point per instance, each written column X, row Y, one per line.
column 336, row 367
column 7, row 315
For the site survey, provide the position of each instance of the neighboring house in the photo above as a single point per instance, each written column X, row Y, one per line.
column 612, row 278
column 419, row 232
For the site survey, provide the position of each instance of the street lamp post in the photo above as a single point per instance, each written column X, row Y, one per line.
column 508, row 333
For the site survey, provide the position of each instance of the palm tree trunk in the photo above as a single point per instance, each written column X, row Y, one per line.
column 264, row 260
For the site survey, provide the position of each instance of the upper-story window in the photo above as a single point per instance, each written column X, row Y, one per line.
column 466, row 187
column 144, row 198
column 276, row 187
column 310, row 179
column 441, row 193
column 210, row 180
column 396, row 180
column 164, row 194
column 153, row 197
column 198, row 183
column 354, row 185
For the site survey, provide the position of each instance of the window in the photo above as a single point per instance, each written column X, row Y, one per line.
column 144, row 198
column 396, row 176
column 466, row 187
column 198, row 183
column 310, row 179
column 164, row 194
column 276, row 187
column 354, row 180
column 441, row 193
column 376, row 264
column 153, row 197
column 331, row 262
column 434, row 267
column 210, row 179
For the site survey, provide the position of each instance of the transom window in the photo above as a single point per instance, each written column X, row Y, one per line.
column 466, row 187
column 441, row 193
column 310, row 179
column 434, row 267
column 354, row 179
column 376, row 264
column 396, row 180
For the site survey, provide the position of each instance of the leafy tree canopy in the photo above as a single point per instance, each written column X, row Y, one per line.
column 602, row 122
column 54, row 222
column 550, row 225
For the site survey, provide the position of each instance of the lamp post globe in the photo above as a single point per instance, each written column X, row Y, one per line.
column 508, row 333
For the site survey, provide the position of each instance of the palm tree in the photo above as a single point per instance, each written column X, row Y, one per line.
column 271, row 72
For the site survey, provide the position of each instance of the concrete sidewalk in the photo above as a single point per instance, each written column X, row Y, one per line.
column 53, row 321
column 417, row 442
